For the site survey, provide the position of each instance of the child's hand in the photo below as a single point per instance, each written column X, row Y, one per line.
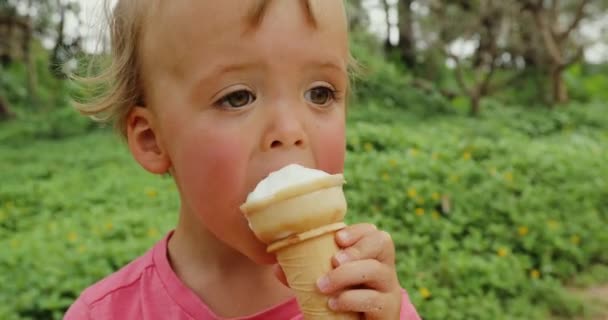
column 364, row 279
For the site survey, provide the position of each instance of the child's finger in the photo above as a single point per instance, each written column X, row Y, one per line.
column 351, row 234
column 370, row 302
column 278, row 272
column 373, row 245
column 362, row 273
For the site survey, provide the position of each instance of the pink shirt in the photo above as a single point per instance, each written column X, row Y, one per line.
column 147, row 288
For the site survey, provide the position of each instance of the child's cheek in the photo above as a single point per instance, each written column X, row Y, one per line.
column 330, row 145
column 212, row 172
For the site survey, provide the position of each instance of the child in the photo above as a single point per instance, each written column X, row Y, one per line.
column 219, row 94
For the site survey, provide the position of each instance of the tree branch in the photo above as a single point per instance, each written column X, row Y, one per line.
column 580, row 14
column 459, row 75
column 429, row 87
column 483, row 87
column 554, row 11
column 510, row 81
column 575, row 58
column 554, row 18
column 548, row 39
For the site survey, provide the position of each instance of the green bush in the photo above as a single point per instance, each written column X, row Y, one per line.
column 47, row 125
column 387, row 84
column 587, row 82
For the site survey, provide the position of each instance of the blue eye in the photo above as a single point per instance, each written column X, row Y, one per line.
column 237, row 99
column 320, row 95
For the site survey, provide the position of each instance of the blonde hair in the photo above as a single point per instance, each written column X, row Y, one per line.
column 120, row 85
column 111, row 93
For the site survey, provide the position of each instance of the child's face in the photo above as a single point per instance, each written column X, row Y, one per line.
column 234, row 102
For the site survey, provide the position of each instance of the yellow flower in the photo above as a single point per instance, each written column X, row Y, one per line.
column 552, row 224
column 434, row 156
column 575, row 239
column 420, row 200
column 466, row 155
column 109, row 226
column 411, row 192
column 502, row 252
column 152, row 232
column 82, row 248
column 368, row 147
column 535, row 274
column 509, row 176
column 435, row 215
column 392, row 162
column 523, row 230
column 454, row 178
column 385, row 177
column 72, row 236
column 425, row 293
column 435, row 196
column 419, row 211
column 152, row 193
column 413, row 152
column 15, row 243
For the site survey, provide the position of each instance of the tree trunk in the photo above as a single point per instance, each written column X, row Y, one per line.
column 30, row 62
column 5, row 112
column 388, row 46
column 407, row 41
column 56, row 57
column 560, row 90
column 475, row 101
column 32, row 78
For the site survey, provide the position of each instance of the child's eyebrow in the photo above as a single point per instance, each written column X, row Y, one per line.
column 236, row 67
column 331, row 65
column 224, row 68
column 256, row 14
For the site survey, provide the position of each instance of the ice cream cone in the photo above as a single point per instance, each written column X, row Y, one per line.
column 306, row 260
column 299, row 225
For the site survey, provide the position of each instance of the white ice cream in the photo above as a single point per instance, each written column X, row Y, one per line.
column 289, row 175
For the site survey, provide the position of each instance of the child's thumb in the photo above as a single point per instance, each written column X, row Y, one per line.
column 278, row 272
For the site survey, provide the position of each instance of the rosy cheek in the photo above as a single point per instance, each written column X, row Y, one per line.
column 212, row 169
column 331, row 148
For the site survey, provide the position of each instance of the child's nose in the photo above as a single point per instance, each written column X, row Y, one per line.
column 285, row 131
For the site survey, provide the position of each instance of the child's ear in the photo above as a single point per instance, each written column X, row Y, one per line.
column 144, row 142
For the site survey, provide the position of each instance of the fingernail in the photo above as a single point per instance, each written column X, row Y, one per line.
column 332, row 303
column 341, row 257
column 323, row 283
column 343, row 236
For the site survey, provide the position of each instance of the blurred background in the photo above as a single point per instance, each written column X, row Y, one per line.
column 477, row 135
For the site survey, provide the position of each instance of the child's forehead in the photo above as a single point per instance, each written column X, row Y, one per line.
column 177, row 28
column 206, row 16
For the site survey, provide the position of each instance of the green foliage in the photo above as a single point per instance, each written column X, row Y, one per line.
column 588, row 82
column 386, row 83
column 49, row 92
column 52, row 125
column 47, row 115
column 527, row 210
column 528, row 207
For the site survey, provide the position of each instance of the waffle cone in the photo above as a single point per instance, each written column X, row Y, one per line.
column 304, row 261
